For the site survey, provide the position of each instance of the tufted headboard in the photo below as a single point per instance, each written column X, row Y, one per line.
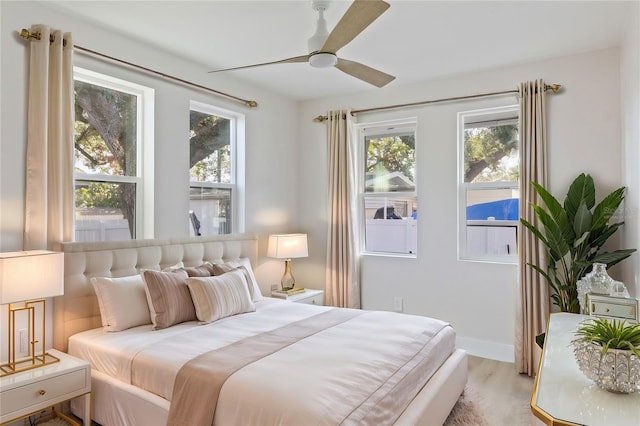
column 77, row 310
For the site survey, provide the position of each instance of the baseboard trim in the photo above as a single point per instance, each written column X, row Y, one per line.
column 486, row 349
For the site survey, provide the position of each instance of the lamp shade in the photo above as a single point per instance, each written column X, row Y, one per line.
column 29, row 275
column 287, row 246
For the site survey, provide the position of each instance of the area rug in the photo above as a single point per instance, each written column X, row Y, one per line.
column 468, row 410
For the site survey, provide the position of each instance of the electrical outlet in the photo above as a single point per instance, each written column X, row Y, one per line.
column 397, row 304
column 274, row 287
column 23, row 338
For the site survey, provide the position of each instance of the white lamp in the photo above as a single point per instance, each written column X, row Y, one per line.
column 287, row 247
column 26, row 279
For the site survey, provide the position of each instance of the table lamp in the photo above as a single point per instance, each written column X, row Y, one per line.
column 27, row 278
column 287, row 247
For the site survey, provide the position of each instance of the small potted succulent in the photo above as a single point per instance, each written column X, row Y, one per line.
column 608, row 352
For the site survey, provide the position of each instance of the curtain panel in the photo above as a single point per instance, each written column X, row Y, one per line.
column 533, row 302
column 49, row 163
column 343, row 264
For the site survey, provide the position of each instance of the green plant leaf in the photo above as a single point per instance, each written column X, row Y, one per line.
column 581, row 189
column 554, row 237
column 611, row 258
column 582, row 219
column 605, row 210
column 556, row 211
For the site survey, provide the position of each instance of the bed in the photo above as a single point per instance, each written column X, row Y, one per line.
column 249, row 360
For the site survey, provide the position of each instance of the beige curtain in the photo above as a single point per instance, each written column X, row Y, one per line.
column 533, row 301
column 343, row 275
column 49, row 164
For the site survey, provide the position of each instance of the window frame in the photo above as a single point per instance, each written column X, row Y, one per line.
column 490, row 115
column 381, row 128
column 236, row 135
column 143, row 180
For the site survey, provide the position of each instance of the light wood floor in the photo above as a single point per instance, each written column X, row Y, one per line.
column 504, row 393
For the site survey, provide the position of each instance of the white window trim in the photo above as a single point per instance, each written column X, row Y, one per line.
column 237, row 145
column 485, row 115
column 145, row 148
column 361, row 130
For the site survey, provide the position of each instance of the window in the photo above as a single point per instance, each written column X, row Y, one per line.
column 212, row 165
column 388, row 199
column 113, row 120
column 489, row 191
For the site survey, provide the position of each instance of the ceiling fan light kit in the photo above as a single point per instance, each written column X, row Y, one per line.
column 323, row 60
column 323, row 45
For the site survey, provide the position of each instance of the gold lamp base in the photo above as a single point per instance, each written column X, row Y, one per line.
column 32, row 360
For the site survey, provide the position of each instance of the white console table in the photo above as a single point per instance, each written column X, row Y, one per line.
column 563, row 395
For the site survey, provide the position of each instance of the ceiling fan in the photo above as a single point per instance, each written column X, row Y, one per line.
column 323, row 45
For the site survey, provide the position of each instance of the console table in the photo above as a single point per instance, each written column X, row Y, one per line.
column 562, row 395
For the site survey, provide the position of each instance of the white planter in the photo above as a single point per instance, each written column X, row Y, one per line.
column 616, row 371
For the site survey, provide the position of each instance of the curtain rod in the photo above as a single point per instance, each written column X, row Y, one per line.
column 553, row 87
column 26, row 34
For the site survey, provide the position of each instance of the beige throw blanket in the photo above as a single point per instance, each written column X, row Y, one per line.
column 198, row 384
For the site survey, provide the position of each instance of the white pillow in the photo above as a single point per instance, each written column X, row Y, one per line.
column 254, row 288
column 221, row 296
column 122, row 301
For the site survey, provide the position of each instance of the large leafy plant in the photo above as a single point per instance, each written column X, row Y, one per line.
column 574, row 234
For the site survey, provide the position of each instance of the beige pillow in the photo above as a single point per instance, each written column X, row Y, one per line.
column 252, row 284
column 221, row 296
column 204, row 270
column 122, row 302
column 168, row 298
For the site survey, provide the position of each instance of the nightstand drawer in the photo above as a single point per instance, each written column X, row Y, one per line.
column 317, row 299
column 612, row 307
column 42, row 392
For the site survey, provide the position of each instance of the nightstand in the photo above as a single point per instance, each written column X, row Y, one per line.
column 310, row 296
column 28, row 392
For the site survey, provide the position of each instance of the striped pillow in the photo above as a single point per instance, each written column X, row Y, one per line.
column 219, row 297
column 168, row 297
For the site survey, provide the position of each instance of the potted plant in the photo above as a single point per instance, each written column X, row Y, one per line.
column 574, row 233
column 608, row 352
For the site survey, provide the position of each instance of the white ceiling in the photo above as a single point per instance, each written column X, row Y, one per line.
column 413, row 40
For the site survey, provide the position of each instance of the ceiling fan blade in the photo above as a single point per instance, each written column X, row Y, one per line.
column 294, row 59
column 360, row 14
column 364, row 73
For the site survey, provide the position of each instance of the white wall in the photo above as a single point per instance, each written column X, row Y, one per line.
column 477, row 298
column 630, row 89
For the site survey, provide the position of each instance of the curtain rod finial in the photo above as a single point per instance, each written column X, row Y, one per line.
column 26, row 34
column 319, row 119
column 251, row 104
column 555, row 87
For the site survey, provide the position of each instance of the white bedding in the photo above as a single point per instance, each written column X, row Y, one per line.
column 318, row 380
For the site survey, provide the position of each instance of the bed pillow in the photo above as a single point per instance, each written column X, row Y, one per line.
column 122, row 302
column 254, row 288
column 168, row 298
column 222, row 296
column 204, row 270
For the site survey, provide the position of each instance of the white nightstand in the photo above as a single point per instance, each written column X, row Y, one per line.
column 312, row 297
column 27, row 392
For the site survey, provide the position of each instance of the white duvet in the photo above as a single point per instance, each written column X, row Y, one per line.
column 366, row 370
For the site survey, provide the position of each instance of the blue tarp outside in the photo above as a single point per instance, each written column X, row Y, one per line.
column 500, row 210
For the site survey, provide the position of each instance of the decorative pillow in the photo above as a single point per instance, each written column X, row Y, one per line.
column 204, row 270
column 254, row 288
column 168, row 297
column 122, row 302
column 221, row 296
